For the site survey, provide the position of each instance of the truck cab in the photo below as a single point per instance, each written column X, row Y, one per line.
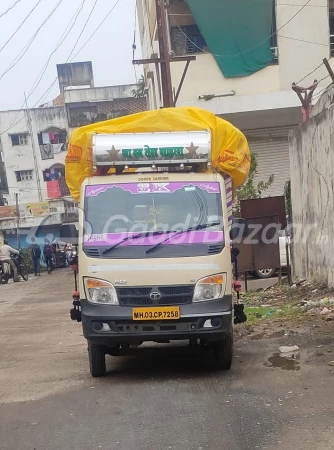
column 154, row 252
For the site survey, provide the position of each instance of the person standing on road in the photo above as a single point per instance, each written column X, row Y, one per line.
column 48, row 255
column 5, row 257
column 36, row 256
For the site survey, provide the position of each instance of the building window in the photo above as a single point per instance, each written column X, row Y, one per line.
column 187, row 39
column 24, row 175
column 331, row 27
column 52, row 138
column 54, row 173
column 19, row 139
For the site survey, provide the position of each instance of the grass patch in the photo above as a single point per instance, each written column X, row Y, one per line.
column 258, row 313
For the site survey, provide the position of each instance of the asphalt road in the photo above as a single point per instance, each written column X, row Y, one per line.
column 161, row 398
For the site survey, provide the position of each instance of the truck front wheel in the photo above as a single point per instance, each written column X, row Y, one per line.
column 97, row 360
column 222, row 352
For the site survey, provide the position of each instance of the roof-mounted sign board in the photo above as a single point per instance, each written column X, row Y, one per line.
column 142, row 149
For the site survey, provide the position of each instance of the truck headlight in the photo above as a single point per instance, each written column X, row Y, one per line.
column 210, row 288
column 100, row 291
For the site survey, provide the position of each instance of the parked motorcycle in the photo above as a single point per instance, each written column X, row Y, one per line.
column 6, row 271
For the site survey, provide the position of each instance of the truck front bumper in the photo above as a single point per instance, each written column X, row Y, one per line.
column 113, row 325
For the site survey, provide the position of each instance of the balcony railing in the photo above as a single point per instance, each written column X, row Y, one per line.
column 332, row 44
column 57, row 189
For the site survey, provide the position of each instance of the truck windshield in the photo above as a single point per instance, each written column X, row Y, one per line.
column 115, row 211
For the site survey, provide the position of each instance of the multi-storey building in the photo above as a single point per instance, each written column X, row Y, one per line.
column 33, row 146
column 248, row 54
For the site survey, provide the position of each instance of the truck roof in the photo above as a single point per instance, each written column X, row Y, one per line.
column 185, row 136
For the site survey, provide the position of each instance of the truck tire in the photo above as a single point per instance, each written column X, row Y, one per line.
column 97, row 360
column 222, row 352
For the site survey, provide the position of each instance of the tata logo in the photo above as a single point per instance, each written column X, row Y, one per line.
column 155, row 295
column 121, row 282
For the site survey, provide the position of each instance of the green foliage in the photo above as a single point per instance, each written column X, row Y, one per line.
column 288, row 204
column 139, row 91
column 250, row 189
column 27, row 260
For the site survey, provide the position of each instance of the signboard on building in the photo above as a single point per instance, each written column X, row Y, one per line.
column 35, row 209
column 7, row 212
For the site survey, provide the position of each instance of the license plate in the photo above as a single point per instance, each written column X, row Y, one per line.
column 160, row 313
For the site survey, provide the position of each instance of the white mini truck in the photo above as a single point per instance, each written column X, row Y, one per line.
column 154, row 253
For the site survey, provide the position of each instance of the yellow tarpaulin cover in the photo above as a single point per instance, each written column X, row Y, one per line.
column 230, row 151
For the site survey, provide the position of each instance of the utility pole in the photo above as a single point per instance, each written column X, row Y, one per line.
column 166, row 78
column 165, row 58
column 18, row 221
column 329, row 69
column 31, row 131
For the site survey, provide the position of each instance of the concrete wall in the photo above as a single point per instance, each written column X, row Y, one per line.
column 323, row 102
column 298, row 58
column 205, row 78
column 107, row 102
column 75, row 74
column 312, row 187
column 98, row 94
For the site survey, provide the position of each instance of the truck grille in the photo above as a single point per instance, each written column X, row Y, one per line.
column 169, row 295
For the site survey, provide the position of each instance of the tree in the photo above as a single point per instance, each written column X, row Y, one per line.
column 139, row 91
column 251, row 189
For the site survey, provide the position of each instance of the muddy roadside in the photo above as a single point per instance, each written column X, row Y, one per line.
column 299, row 320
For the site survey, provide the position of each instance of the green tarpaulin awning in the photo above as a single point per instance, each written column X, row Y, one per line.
column 237, row 33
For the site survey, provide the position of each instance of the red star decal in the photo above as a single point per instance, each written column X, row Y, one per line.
column 113, row 153
column 192, row 151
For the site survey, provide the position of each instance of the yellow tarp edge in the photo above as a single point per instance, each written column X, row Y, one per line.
column 230, row 151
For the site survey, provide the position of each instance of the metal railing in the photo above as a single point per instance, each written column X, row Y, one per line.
column 332, row 44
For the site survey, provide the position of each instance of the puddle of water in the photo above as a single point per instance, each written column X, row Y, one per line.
column 276, row 334
column 284, row 362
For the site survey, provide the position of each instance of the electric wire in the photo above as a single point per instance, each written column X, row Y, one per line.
column 323, row 91
column 40, row 100
column 10, row 8
column 20, row 26
column 318, row 67
column 39, row 77
column 73, row 48
column 81, row 48
column 302, row 40
column 26, row 48
column 83, row 29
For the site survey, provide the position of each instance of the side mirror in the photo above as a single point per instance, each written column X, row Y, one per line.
column 69, row 234
column 235, row 252
column 238, row 229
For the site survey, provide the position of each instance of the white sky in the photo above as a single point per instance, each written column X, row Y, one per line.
column 110, row 49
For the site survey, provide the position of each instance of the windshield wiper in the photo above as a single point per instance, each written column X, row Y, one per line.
column 176, row 233
column 134, row 236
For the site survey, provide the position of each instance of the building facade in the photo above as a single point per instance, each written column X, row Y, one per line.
column 246, row 62
column 33, row 145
